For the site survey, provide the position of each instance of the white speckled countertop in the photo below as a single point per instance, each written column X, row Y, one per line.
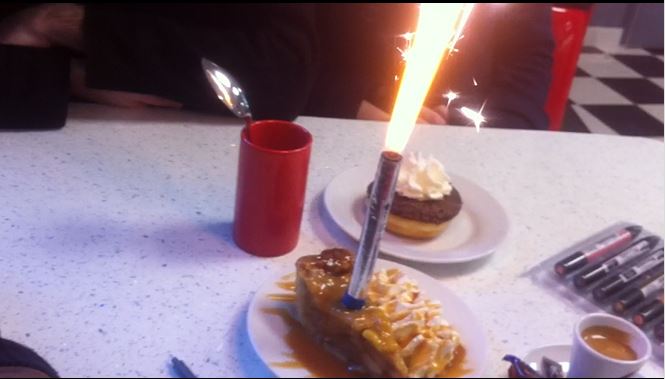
column 115, row 246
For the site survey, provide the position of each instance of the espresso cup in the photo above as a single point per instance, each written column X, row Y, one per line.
column 270, row 193
column 585, row 362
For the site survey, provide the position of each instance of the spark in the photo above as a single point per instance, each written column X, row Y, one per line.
column 475, row 116
column 404, row 53
column 451, row 96
column 408, row 36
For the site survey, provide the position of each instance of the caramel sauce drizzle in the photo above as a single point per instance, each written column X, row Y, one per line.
column 306, row 352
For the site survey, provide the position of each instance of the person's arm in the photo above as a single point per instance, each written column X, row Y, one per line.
column 369, row 111
column 132, row 53
column 38, row 34
column 44, row 26
column 270, row 49
column 123, row 99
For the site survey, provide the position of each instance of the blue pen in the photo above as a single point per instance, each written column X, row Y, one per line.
column 181, row 368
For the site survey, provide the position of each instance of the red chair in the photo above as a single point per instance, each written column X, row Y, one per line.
column 569, row 26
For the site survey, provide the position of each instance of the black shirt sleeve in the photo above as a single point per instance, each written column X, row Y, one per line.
column 357, row 57
column 271, row 49
column 522, row 70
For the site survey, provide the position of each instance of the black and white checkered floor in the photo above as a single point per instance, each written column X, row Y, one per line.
column 616, row 90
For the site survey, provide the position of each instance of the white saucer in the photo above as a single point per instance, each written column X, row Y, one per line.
column 557, row 353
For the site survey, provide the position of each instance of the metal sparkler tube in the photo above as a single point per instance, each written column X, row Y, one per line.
column 381, row 198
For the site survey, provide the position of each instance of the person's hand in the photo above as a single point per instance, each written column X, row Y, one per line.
column 435, row 116
column 114, row 98
column 369, row 111
column 21, row 29
column 45, row 26
column 438, row 115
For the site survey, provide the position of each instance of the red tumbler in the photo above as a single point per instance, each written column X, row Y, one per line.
column 270, row 192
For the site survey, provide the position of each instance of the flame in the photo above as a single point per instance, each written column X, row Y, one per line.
column 440, row 26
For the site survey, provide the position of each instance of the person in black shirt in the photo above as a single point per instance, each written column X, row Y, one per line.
column 149, row 55
column 331, row 60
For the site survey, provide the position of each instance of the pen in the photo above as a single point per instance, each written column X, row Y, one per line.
column 599, row 271
column 597, row 251
column 181, row 368
column 650, row 268
column 649, row 312
column 658, row 332
column 635, row 295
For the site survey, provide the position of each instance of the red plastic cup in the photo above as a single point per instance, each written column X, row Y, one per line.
column 270, row 193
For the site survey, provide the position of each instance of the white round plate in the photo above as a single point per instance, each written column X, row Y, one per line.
column 473, row 234
column 266, row 330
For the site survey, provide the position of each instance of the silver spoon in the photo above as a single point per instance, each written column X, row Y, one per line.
column 228, row 91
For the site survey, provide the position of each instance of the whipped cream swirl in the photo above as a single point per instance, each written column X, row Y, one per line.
column 423, row 178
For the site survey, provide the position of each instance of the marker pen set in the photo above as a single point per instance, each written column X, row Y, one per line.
column 618, row 270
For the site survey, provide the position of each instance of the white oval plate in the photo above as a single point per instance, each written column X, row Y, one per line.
column 473, row 234
column 266, row 330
